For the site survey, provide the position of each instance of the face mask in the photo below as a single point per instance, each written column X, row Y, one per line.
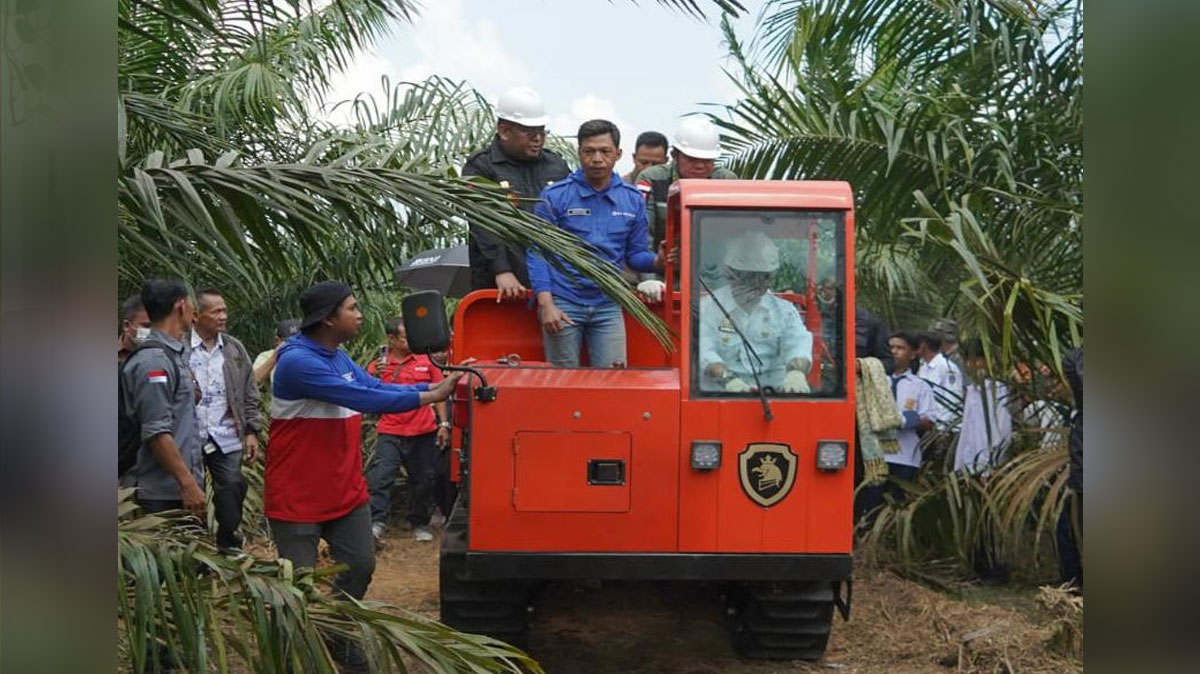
column 142, row 335
column 748, row 287
column 746, row 295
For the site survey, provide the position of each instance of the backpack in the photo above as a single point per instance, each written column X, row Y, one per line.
column 129, row 427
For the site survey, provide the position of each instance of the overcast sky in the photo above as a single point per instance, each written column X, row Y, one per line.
column 641, row 65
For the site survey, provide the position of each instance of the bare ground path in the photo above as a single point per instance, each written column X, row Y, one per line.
column 896, row 627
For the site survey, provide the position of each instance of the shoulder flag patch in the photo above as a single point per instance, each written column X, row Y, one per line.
column 157, row 377
column 644, row 186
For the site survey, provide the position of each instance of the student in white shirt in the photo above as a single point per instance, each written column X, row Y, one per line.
column 942, row 376
column 914, row 401
column 986, row 422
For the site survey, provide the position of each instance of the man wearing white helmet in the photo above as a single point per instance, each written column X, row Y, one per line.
column 518, row 161
column 771, row 326
column 694, row 151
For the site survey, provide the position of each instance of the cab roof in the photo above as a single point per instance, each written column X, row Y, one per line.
column 818, row 194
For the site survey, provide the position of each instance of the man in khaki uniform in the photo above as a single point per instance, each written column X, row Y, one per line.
column 696, row 146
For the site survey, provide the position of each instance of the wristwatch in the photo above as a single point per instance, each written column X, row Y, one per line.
column 444, row 424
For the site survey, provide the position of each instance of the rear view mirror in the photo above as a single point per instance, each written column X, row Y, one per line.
column 425, row 322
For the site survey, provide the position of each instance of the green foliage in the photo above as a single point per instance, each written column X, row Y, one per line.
column 959, row 124
column 228, row 179
column 934, row 112
column 211, row 612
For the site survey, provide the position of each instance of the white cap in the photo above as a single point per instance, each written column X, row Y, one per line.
column 697, row 137
column 752, row 251
column 521, row 105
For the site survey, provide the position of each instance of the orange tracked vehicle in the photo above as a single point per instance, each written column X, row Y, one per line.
column 666, row 469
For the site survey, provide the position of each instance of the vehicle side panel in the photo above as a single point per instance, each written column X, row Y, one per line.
column 600, row 414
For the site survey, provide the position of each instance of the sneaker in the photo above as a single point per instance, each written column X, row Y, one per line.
column 422, row 534
column 377, row 533
column 437, row 521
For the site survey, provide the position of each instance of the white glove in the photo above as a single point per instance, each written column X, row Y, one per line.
column 653, row 289
column 795, row 381
column 736, row 385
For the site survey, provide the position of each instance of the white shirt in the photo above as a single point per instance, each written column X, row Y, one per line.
column 945, row 379
column 986, row 427
column 912, row 395
column 773, row 328
column 216, row 419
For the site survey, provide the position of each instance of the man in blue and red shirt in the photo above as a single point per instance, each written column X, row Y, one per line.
column 410, row 438
column 314, row 486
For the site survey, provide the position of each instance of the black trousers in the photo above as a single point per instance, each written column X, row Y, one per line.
column 229, row 493
column 1070, row 522
column 871, row 498
column 350, row 543
column 445, row 492
column 418, row 455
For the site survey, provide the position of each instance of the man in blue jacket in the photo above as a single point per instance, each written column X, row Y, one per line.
column 597, row 206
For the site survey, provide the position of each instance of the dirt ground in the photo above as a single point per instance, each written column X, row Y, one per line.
column 896, row 626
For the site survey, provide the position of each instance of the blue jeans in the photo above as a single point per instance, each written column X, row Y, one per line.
column 601, row 325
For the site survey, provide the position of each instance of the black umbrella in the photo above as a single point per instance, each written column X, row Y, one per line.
column 447, row 270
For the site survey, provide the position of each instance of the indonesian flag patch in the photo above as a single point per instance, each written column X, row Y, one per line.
column 157, row 377
column 644, row 186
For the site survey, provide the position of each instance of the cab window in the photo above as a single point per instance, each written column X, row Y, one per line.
column 767, row 303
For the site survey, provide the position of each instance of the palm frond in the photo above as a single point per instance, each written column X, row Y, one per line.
column 247, row 215
column 211, row 612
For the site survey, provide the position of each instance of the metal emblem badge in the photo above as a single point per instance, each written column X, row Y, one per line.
column 767, row 471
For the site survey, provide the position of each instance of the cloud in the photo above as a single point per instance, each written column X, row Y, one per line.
column 583, row 108
column 448, row 42
column 363, row 76
column 591, row 106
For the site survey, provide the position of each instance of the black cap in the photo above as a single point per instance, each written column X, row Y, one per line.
column 321, row 300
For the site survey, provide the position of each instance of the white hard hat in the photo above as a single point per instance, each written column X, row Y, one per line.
column 697, row 137
column 521, row 105
column 752, row 251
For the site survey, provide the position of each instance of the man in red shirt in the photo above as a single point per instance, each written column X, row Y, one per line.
column 410, row 438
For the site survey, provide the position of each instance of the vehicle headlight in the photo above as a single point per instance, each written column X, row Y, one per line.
column 706, row 454
column 831, row 454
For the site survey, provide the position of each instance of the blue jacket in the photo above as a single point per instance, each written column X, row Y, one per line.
column 308, row 370
column 612, row 220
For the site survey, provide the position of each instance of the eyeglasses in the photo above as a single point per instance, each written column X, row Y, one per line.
column 530, row 132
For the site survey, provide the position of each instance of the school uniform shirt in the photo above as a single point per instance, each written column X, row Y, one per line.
column 986, row 427
column 946, row 385
column 411, row 369
column 612, row 221
column 912, row 394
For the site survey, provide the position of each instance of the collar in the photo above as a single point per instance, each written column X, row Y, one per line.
column 935, row 358
column 171, row 342
column 197, row 342
column 586, row 189
column 401, row 361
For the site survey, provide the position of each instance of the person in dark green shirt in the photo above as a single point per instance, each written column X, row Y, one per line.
column 697, row 144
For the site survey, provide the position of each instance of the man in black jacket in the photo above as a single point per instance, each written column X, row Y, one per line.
column 871, row 338
column 516, row 160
